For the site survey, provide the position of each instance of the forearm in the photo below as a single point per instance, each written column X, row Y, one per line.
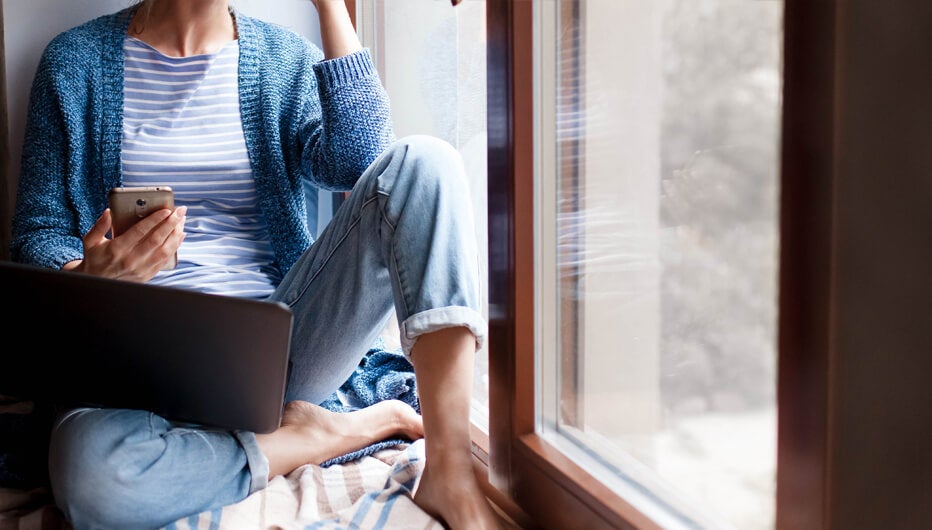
column 337, row 33
column 354, row 124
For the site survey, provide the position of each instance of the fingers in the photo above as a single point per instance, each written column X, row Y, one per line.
column 161, row 242
column 140, row 252
column 147, row 224
column 169, row 248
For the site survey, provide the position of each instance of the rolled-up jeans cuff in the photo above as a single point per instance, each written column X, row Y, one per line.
column 258, row 463
column 442, row 318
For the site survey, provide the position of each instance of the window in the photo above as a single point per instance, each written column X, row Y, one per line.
column 637, row 281
column 656, row 250
column 851, row 330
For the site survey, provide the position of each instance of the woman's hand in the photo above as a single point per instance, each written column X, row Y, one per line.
column 136, row 255
column 336, row 29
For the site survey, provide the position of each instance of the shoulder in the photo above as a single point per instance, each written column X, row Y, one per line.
column 77, row 47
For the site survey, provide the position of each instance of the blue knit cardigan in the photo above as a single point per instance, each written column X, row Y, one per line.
column 303, row 118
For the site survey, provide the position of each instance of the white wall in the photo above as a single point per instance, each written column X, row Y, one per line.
column 28, row 25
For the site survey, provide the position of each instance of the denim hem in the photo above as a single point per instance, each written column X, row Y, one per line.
column 441, row 318
column 258, row 463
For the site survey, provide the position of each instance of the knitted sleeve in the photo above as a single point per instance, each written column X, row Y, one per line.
column 45, row 231
column 355, row 124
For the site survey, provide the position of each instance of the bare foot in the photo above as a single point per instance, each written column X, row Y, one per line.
column 310, row 434
column 453, row 497
column 382, row 420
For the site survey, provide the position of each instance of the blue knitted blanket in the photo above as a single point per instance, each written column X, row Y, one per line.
column 382, row 374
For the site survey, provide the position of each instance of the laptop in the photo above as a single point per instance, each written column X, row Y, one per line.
column 191, row 357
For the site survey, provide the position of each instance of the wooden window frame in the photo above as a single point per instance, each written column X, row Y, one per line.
column 824, row 475
column 538, row 482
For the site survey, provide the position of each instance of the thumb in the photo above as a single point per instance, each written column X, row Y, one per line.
column 100, row 228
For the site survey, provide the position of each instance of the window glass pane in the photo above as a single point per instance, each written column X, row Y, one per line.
column 431, row 57
column 658, row 234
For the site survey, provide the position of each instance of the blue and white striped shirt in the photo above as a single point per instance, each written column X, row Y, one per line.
column 182, row 128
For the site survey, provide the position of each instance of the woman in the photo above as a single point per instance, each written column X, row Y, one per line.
column 234, row 113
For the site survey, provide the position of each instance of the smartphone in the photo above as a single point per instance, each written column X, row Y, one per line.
column 130, row 204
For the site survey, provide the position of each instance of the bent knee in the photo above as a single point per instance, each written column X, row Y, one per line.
column 426, row 146
column 434, row 162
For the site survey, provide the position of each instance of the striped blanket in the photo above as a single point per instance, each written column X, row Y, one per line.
column 372, row 492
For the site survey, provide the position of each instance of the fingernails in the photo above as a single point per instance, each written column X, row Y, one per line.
column 181, row 211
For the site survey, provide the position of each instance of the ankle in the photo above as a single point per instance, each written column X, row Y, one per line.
column 452, row 474
column 446, row 457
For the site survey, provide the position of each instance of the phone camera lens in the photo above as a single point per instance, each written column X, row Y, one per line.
column 140, row 202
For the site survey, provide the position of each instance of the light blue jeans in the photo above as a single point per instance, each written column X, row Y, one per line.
column 404, row 239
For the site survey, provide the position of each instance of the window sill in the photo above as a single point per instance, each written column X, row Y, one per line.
column 499, row 500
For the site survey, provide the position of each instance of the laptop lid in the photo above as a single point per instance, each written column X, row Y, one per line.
column 207, row 359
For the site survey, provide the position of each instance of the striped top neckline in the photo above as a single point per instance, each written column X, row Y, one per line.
column 173, row 58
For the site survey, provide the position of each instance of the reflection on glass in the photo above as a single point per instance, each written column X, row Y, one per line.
column 666, row 139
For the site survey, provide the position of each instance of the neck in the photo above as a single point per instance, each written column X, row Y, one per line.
column 182, row 28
